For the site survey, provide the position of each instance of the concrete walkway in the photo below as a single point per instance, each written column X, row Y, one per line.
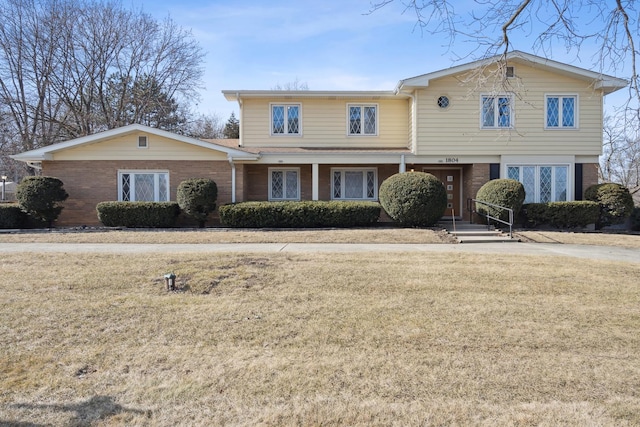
column 540, row 249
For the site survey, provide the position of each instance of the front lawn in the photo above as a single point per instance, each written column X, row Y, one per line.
column 319, row 339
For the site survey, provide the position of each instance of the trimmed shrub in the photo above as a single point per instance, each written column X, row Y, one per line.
column 41, row 197
column 635, row 219
column 415, row 199
column 197, row 198
column 304, row 214
column 507, row 193
column 138, row 214
column 11, row 216
column 562, row 214
column 616, row 203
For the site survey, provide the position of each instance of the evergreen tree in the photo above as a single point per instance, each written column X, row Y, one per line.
column 232, row 128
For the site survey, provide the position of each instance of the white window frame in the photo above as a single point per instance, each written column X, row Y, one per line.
column 560, row 96
column 286, row 132
column 364, row 183
column 495, row 97
column 537, row 166
column 362, row 106
column 156, row 186
column 284, row 190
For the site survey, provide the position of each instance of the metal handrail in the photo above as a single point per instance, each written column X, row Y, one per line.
column 471, row 203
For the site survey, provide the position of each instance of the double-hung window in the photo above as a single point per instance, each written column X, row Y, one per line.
column 497, row 111
column 561, row 111
column 285, row 119
column 143, row 186
column 354, row 184
column 284, row 184
column 542, row 183
column 363, row 120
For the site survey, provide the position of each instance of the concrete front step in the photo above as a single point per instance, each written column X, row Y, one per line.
column 475, row 233
column 486, row 239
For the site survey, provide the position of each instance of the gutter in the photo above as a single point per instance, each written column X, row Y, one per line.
column 240, row 119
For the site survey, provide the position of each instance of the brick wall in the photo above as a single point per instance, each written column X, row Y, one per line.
column 589, row 176
column 89, row 183
column 474, row 177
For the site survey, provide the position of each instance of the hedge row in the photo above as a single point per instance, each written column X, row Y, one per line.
column 561, row 214
column 11, row 216
column 138, row 214
column 305, row 214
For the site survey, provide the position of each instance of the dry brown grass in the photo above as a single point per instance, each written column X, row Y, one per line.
column 600, row 239
column 326, row 339
column 222, row 235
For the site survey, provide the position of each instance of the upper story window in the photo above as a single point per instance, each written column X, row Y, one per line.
column 497, row 111
column 284, row 184
column 363, row 119
column 142, row 142
column 285, row 119
column 143, row 186
column 561, row 111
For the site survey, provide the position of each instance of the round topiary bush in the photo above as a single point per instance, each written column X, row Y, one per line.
column 616, row 203
column 197, row 198
column 415, row 199
column 41, row 197
column 507, row 193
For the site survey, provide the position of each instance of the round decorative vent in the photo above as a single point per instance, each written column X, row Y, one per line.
column 443, row 101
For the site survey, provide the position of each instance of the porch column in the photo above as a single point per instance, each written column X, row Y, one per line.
column 314, row 182
column 403, row 165
column 233, row 180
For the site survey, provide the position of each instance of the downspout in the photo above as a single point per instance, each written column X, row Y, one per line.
column 414, row 123
column 233, row 180
column 240, row 118
column 403, row 165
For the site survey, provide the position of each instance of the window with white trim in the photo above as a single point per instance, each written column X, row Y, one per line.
column 496, row 111
column 542, row 183
column 143, row 186
column 284, row 184
column 561, row 111
column 354, row 184
column 285, row 119
column 363, row 119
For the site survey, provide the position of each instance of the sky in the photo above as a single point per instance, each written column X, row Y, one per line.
column 327, row 44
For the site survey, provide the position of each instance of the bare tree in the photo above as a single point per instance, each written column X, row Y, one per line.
column 611, row 26
column 205, row 127
column 620, row 161
column 292, row 86
column 70, row 68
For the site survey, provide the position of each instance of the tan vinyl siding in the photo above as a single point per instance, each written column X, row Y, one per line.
column 456, row 130
column 126, row 148
column 324, row 124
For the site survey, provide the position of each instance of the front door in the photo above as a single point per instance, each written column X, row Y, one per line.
column 452, row 180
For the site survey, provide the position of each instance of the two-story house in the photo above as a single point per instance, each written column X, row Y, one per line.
column 520, row 116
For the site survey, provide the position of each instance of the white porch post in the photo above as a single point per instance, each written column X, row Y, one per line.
column 233, row 180
column 403, row 165
column 314, row 182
